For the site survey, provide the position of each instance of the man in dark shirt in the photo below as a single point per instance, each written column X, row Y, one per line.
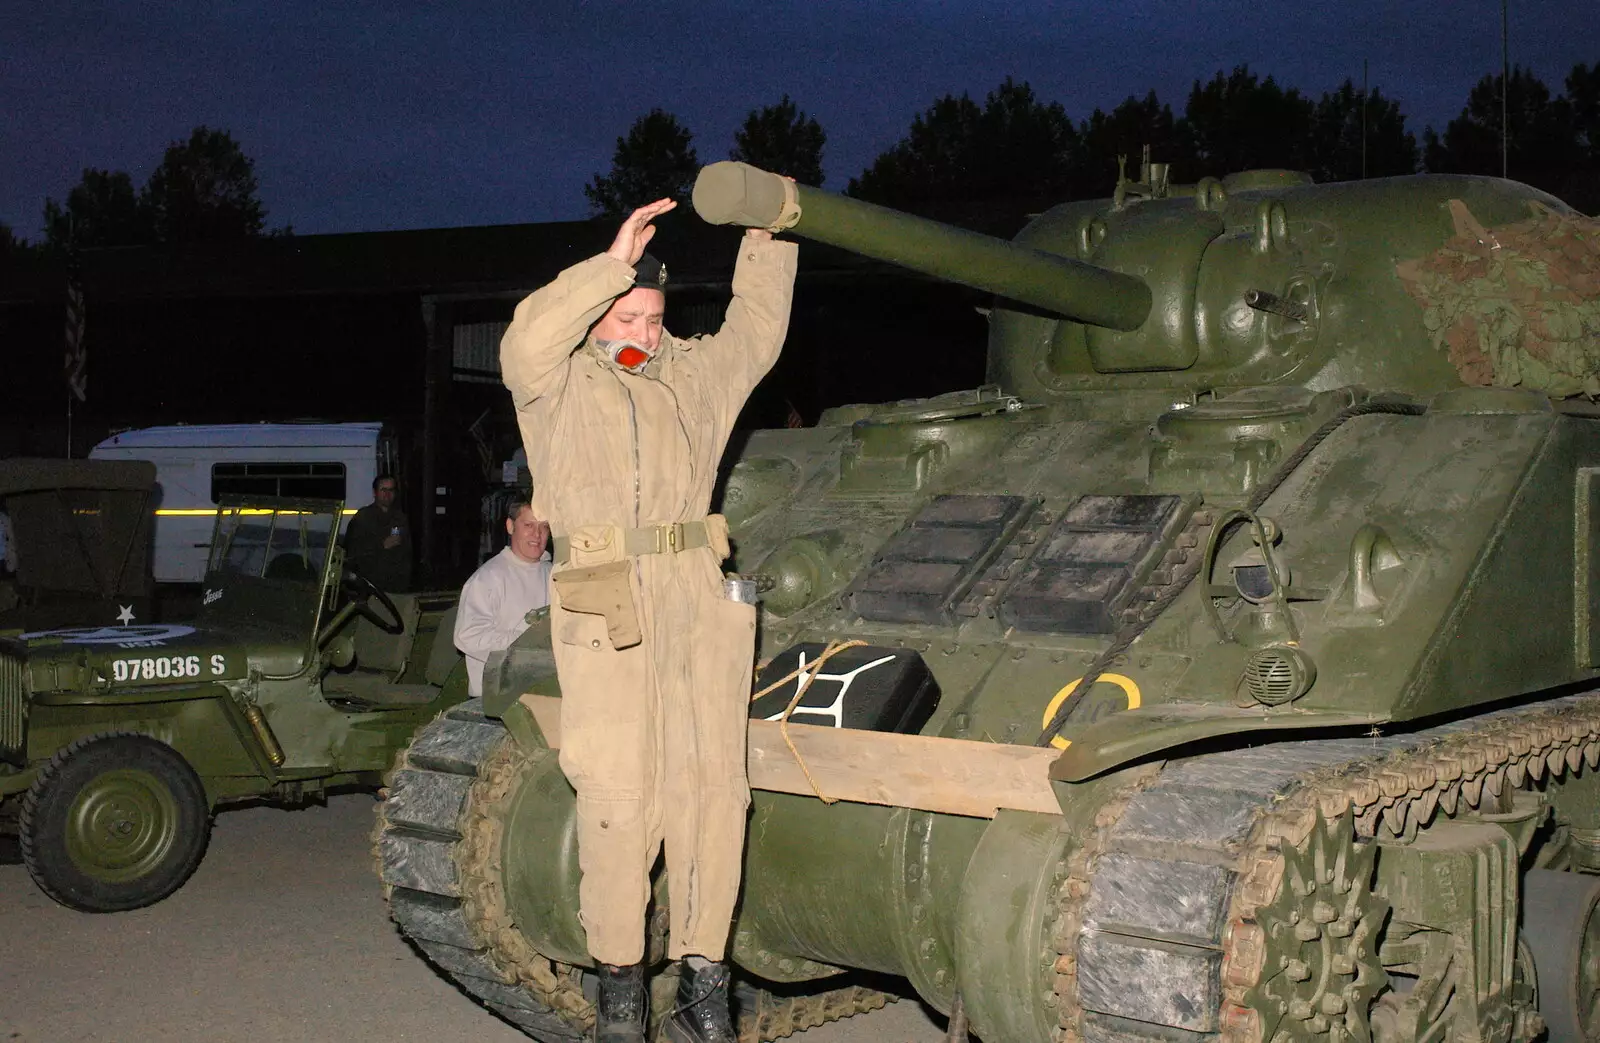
column 378, row 541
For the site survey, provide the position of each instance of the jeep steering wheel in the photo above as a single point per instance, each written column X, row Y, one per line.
column 368, row 592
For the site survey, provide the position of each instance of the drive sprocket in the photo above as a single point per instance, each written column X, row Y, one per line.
column 1231, row 898
column 1322, row 930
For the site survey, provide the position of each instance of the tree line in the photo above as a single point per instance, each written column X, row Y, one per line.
column 204, row 189
column 1013, row 147
column 1017, row 146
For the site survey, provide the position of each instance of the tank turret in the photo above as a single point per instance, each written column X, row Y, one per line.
column 1254, row 279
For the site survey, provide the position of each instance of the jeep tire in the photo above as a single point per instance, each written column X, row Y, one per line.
column 114, row 822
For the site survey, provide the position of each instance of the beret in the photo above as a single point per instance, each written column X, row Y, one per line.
column 650, row 273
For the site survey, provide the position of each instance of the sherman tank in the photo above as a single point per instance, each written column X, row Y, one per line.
column 1223, row 670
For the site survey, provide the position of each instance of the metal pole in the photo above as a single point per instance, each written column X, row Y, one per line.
column 1505, row 87
column 73, row 261
column 1363, row 119
column 431, row 432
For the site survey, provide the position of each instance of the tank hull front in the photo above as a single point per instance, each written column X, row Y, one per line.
column 947, row 902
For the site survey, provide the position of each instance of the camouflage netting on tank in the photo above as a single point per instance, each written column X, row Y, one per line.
column 1518, row 305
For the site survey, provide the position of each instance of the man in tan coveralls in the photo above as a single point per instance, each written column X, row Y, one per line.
column 625, row 425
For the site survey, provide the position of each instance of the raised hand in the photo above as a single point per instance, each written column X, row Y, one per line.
column 637, row 231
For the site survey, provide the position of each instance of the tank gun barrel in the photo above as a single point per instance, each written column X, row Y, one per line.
column 739, row 194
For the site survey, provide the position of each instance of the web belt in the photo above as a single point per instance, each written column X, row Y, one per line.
column 652, row 539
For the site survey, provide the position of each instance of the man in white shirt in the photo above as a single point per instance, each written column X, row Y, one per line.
column 496, row 600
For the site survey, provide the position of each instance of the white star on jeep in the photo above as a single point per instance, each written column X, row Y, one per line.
column 126, row 615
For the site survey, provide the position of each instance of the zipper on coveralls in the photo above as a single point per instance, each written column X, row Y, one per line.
column 688, row 443
column 633, row 435
column 633, row 429
column 633, row 432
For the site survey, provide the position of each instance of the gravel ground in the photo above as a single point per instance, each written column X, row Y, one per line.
column 282, row 935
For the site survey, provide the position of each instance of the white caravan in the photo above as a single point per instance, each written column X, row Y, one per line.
column 195, row 465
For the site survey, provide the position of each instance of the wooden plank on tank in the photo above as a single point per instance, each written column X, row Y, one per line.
column 926, row 772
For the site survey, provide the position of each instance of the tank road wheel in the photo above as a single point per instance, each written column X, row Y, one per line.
column 438, row 842
column 1321, row 970
column 114, row 822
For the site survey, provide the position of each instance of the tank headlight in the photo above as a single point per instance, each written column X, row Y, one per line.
column 1252, row 577
column 1254, row 582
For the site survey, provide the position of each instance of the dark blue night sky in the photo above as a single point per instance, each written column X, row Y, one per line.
column 380, row 115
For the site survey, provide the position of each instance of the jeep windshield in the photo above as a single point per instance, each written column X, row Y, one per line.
column 274, row 543
column 268, row 562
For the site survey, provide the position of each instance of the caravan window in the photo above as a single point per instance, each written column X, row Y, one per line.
column 320, row 480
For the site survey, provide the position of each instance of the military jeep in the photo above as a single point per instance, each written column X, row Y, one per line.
column 117, row 742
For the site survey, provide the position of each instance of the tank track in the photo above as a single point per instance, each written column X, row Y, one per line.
column 1158, row 937
column 437, row 842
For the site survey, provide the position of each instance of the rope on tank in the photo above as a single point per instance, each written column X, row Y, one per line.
column 810, row 673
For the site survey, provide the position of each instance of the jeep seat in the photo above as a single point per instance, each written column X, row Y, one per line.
column 443, row 657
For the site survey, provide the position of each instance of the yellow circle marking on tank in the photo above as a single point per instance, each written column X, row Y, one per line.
column 1129, row 687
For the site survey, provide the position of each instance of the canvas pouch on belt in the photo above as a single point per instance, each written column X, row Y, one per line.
column 603, row 590
column 599, row 584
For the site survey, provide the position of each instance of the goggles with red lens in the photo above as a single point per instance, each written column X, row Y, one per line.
column 628, row 354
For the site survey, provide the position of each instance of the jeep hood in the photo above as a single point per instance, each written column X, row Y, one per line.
column 88, row 658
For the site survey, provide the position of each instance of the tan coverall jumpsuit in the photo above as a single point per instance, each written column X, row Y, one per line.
column 653, row 737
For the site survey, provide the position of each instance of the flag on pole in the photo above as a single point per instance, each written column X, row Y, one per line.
column 75, row 360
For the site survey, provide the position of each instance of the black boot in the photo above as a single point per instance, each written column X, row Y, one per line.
column 620, row 1009
column 701, row 1014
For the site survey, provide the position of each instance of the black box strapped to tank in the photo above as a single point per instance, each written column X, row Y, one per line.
column 919, row 574
column 1083, row 573
column 870, row 688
